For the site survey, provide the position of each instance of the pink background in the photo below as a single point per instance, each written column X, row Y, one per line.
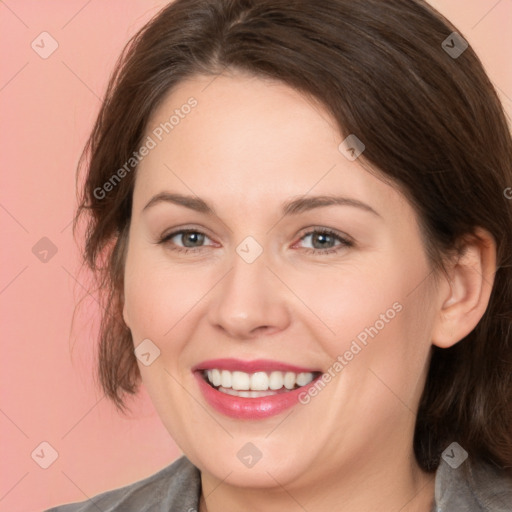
column 47, row 109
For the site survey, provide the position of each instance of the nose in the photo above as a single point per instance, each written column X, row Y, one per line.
column 249, row 301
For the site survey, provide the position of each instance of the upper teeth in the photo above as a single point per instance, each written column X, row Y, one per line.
column 259, row 381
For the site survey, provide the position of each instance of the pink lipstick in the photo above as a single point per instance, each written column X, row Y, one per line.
column 254, row 389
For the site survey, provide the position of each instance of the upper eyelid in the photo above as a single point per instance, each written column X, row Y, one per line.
column 185, row 229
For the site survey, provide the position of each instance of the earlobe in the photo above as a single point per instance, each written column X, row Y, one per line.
column 465, row 296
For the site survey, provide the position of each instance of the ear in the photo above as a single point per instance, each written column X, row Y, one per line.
column 464, row 295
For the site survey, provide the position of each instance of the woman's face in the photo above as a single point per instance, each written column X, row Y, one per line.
column 256, row 278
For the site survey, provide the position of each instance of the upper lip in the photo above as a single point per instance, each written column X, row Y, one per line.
column 252, row 366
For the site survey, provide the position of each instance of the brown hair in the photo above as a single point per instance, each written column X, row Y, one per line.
column 431, row 122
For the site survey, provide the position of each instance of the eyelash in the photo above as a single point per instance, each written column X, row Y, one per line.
column 345, row 242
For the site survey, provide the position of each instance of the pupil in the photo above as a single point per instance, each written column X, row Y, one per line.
column 321, row 236
column 198, row 238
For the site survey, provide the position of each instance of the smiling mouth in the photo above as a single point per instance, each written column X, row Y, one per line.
column 257, row 384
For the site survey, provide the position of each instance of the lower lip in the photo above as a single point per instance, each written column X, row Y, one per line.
column 250, row 408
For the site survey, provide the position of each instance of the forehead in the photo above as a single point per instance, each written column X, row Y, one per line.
column 249, row 139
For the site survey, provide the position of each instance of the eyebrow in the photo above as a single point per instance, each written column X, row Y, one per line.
column 292, row 207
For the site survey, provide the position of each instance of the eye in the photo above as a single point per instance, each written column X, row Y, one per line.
column 324, row 241
column 191, row 240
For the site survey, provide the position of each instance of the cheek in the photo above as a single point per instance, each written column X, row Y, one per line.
column 159, row 296
column 348, row 300
column 371, row 312
column 383, row 343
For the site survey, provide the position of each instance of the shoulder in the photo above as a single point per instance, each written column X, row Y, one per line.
column 176, row 487
column 473, row 487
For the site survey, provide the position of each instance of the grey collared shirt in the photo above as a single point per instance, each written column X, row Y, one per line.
column 177, row 488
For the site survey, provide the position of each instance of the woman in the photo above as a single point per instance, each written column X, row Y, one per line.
column 299, row 218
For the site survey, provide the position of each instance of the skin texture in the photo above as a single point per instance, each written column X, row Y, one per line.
column 246, row 148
